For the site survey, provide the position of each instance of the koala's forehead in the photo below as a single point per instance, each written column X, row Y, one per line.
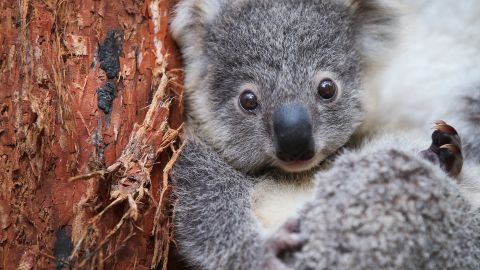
column 317, row 34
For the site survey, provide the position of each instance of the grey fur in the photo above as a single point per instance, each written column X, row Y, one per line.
column 469, row 115
column 214, row 225
column 399, row 212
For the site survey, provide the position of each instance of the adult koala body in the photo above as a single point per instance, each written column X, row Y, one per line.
column 430, row 75
column 273, row 89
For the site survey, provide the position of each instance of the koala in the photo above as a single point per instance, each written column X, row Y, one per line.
column 273, row 95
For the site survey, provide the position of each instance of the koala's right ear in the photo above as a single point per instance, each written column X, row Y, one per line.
column 190, row 19
column 375, row 21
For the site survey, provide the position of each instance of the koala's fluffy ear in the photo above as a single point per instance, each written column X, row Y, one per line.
column 375, row 22
column 190, row 18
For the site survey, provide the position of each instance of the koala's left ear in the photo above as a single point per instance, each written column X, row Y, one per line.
column 375, row 24
column 191, row 18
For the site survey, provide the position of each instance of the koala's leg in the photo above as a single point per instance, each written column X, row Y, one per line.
column 388, row 209
column 214, row 224
column 445, row 149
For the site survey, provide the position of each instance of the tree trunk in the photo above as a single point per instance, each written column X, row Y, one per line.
column 90, row 114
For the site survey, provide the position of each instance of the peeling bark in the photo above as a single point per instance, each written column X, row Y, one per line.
column 90, row 116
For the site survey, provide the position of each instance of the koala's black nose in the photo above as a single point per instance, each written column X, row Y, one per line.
column 293, row 133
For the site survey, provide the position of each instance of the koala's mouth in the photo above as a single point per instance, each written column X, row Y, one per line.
column 299, row 165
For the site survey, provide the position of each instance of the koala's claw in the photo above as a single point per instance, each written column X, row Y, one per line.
column 445, row 149
column 286, row 238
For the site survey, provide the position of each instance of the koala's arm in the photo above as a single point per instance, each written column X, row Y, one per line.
column 213, row 222
column 388, row 209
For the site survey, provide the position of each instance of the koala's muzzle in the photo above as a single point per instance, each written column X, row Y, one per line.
column 293, row 135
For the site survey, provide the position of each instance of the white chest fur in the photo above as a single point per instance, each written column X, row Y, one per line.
column 273, row 202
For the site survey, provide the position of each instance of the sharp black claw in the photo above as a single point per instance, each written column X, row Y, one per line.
column 444, row 127
column 452, row 148
column 445, row 149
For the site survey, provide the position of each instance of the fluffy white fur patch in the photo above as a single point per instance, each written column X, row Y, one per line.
column 274, row 202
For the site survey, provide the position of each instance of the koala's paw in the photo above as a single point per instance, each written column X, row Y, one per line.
column 445, row 149
column 287, row 238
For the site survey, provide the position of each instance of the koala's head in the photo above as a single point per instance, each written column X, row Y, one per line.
column 276, row 82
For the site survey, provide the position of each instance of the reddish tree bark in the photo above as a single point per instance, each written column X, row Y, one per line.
column 90, row 114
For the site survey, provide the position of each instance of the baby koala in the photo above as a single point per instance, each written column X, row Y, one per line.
column 273, row 90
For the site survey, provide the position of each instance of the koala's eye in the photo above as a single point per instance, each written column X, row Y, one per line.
column 248, row 101
column 327, row 89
